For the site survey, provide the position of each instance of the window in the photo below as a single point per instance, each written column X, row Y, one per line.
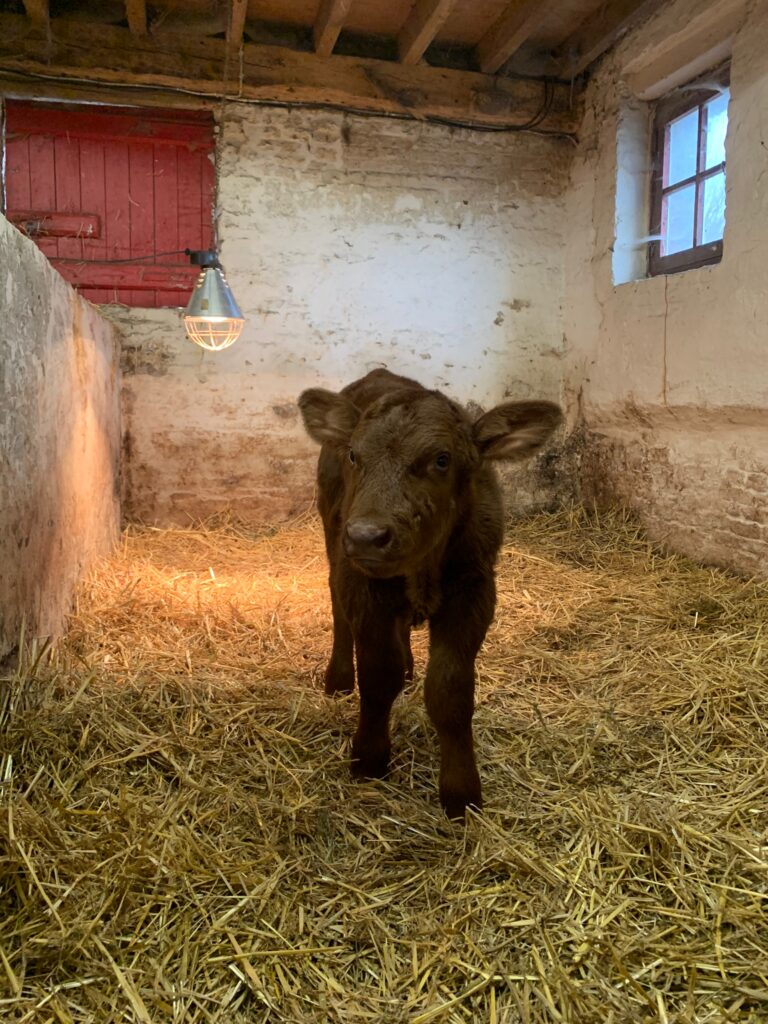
column 688, row 186
column 94, row 185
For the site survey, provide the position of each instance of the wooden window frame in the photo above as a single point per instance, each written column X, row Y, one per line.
column 669, row 110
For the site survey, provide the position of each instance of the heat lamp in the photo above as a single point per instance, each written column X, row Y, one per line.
column 212, row 318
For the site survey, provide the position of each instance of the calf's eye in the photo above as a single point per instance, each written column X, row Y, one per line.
column 443, row 461
column 352, row 457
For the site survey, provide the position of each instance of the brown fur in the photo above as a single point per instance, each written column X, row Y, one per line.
column 412, row 529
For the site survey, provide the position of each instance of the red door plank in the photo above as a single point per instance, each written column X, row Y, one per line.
column 67, row 157
column 17, row 173
column 41, row 223
column 189, row 128
column 165, row 169
column 190, row 201
column 117, row 217
column 93, row 193
column 141, row 199
column 42, row 184
column 175, row 278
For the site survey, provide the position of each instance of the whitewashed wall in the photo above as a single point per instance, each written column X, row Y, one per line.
column 670, row 374
column 350, row 243
column 59, row 440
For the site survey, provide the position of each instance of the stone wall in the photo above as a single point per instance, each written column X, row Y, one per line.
column 59, row 440
column 350, row 243
column 668, row 376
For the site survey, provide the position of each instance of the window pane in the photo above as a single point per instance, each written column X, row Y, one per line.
column 682, row 139
column 713, row 217
column 677, row 219
column 715, row 127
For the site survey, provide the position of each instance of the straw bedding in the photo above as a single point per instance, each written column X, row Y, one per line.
column 182, row 842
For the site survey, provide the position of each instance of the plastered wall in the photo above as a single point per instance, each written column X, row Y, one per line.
column 668, row 377
column 350, row 243
column 59, row 440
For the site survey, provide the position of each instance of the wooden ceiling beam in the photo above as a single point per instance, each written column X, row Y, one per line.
column 423, row 24
column 508, row 33
column 136, row 13
column 599, row 32
column 37, row 11
column 236, row 25
column 329, row 23
column 112, row 56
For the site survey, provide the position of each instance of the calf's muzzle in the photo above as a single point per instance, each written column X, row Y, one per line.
column 367, row 539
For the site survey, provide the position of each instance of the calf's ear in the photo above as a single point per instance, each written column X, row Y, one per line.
column 327, row 416
column 515, row 430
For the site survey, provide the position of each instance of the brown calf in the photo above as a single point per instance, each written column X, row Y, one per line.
column 413, row 523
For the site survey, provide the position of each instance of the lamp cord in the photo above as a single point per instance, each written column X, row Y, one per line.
column 152, row 256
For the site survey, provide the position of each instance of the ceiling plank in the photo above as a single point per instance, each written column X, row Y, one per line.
column 236, row 26
column 423, row 24
column 37, row 11
column 113, row 56
column 508, row 33
column 330, row 21
column 136, row 12
column 599, row 32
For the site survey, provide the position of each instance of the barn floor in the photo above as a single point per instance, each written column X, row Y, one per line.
column 183, row 842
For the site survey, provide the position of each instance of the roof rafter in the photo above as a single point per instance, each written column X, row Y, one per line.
column 113, row 56
column 136, row 13
column 37, row 11
column 599, row 32
column 330, row 21
column 423, row 24
column 508, row 33
column 236, row 25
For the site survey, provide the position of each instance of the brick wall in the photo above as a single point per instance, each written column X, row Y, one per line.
column 700, row 489
column 350, row 243
column 668, row 376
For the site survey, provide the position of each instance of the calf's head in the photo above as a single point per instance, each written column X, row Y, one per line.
column 409, row 463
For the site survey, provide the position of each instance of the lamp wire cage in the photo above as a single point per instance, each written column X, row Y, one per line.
column 213, row 334
column 212, row 318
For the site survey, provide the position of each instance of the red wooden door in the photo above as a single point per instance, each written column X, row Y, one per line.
column 93, row 185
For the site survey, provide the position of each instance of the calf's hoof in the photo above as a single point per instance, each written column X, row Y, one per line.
column 339, row 681
column 455, row 802
column 369, row 766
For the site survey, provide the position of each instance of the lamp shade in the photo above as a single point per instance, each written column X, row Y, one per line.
column 212, row 318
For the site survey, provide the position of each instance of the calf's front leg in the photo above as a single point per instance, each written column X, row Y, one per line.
column 340, row 673
column 456, row 634
column 381, row 671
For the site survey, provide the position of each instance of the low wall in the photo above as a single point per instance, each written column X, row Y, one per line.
column 59, row 440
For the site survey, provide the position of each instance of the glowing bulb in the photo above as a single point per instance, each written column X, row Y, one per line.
column 212, row 318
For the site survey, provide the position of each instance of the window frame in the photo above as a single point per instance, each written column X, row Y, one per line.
column 668, row 110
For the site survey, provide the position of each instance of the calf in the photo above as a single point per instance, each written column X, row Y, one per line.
column 413, row 521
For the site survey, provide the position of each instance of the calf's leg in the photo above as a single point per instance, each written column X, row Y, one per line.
column 340, row 673
column 381, row 669
column 456, row 634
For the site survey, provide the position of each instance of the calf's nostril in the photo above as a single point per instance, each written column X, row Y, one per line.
column 382, row 538
column 363, row 533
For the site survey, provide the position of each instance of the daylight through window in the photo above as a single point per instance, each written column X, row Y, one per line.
column 688, row 201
